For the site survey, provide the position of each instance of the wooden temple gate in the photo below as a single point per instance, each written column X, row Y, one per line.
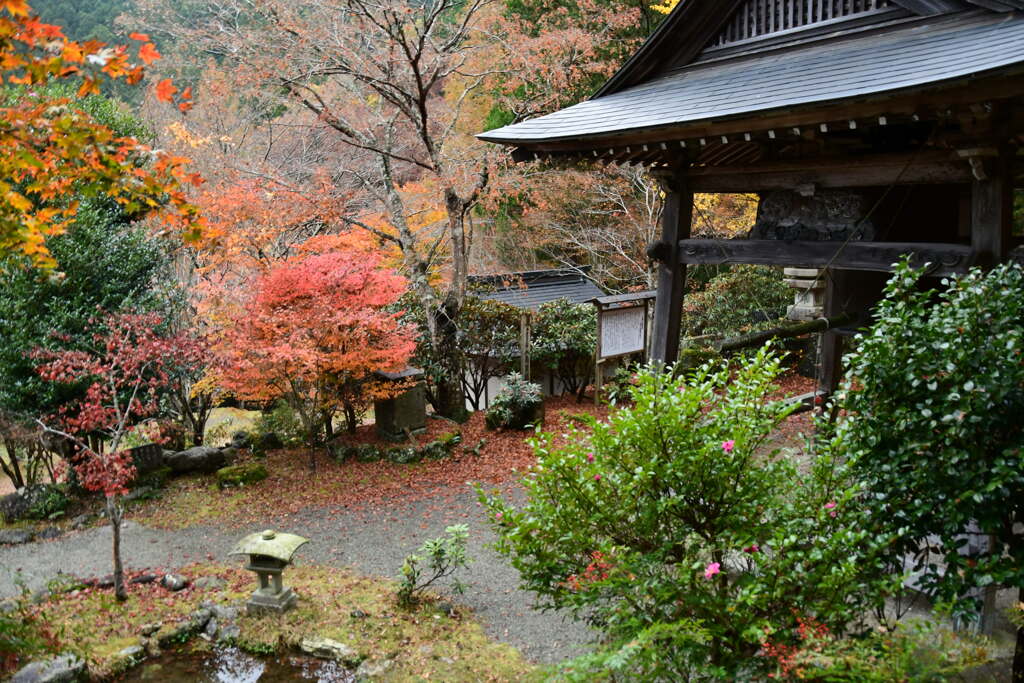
column 869, row 128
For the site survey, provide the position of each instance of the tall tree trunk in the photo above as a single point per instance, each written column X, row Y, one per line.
column 451, row 401
column 10, row 466
column 1018, row 653
column 350, row 418
column 114, row 515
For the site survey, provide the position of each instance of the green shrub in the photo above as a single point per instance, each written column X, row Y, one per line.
column 564, row 338
column 519, row 405
column 48, row 501
column 443, row 556
column 737, row 300
column 932, row 405
column 677, row 511
column 241, row 475
column 283, row 422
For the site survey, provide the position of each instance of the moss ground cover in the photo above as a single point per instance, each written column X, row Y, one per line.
column 422, row 643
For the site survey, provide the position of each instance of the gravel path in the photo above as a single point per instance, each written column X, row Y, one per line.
column 373, row 542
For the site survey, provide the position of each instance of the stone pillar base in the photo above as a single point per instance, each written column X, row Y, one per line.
column 277, row 603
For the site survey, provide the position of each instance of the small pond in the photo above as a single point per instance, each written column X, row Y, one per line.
column 231, row 665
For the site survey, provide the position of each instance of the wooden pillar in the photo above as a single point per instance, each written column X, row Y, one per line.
column 831, row 342
column 991, row 206
column 676, row 220
column 524, row 346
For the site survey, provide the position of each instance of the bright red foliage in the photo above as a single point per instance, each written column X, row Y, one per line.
column 315, row 322
column 125, row 371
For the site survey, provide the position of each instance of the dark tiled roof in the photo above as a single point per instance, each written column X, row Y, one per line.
column 531, row 289
column 914, row 55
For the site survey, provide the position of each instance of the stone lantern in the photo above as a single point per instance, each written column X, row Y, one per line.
column 269, row 553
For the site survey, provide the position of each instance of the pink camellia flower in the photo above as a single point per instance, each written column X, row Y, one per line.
column 498, row 515
column 727, row 446
column 830, row 507
column 597, row 477
column 753, row 548
column 590, row 457
column 712, row 569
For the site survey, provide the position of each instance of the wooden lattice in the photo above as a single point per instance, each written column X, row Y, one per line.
column 763, row 17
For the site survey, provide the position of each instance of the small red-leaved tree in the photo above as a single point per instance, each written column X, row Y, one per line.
column 124, row 374
column 315, row 324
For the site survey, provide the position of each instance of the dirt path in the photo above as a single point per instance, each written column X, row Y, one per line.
column 374, row 542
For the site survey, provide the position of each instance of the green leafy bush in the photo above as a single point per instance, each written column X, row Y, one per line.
column 932, row 405
column 519, row 405
column 436, row 559
column 48, row 501
column 564, row 339
column 283, row 422
column 737, row 300
column 678, row 511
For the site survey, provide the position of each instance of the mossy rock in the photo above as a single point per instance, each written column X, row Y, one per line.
column 368, row 453
column 404, row 456
column 155, row 479
column 241, row 475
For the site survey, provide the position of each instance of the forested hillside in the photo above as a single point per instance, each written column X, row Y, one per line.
column 84, row 19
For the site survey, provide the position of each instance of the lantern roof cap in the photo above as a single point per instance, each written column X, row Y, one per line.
column 270, row 543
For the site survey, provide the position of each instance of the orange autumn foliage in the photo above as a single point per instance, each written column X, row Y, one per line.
column 314, row 322
column 50, row 148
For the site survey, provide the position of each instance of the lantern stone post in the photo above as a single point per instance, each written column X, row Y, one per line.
column 269, row 553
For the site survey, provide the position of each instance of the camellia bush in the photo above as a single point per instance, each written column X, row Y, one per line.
column 934, row 426
column 681, row 533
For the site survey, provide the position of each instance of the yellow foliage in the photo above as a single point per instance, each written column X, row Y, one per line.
column 666, row 7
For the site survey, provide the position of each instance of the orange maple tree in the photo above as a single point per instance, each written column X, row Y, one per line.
column 314, row 331
column 50, row 148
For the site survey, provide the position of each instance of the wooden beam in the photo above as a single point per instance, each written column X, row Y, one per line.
column 676, row 221
column 992, row 207
column 929, row 102
column 870, row 171
column 873, row 256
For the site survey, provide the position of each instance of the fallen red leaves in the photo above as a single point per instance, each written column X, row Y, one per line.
column 292, row 487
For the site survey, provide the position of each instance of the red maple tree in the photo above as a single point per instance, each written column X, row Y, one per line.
column 124, row 373
column 315, row 330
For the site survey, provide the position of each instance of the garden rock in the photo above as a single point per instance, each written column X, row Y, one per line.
column 198, row 459
column 173, row 582
column 225, row 613
column 241, row 475
column 200, row 618
column 81, row 521
column 325, row 648
column 49, row 532
column 240, row 440
column 13, row 507
column 268, row 441
column 373, row 669
column 150, row 629
column 229, row 633
column 9, row 605
column 132, row 654
column 62, row 669
column 140, row 493
column 15, row 536
column 210, row 631
column 209, row 583
column 143, row 578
